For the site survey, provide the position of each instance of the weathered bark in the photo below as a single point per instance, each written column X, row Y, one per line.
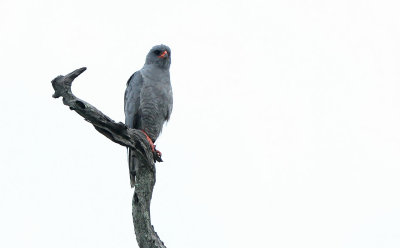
column 120, row 134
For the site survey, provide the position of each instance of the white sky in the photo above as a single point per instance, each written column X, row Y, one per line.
column 285, row 128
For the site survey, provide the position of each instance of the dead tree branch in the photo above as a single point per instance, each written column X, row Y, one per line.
column 132, row 138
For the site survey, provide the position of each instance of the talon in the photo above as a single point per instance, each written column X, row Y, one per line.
column 157, row 156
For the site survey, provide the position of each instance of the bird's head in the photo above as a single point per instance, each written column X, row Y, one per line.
column 159, row 55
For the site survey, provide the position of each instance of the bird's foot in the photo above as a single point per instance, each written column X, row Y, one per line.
column 157, row 154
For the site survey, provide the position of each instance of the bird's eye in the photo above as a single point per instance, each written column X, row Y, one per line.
column 157, row 52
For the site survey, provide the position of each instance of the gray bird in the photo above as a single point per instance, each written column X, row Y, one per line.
column 148, row 100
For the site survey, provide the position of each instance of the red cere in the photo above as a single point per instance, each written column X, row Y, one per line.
column 163, row 54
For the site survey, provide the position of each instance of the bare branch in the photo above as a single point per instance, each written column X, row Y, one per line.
column 132, row 138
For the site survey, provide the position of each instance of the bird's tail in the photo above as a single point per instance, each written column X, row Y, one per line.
column 133, row 163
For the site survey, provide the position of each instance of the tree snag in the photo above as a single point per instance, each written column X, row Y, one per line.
column 132, row 138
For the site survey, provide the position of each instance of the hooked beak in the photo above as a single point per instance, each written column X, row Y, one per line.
column 163, row 54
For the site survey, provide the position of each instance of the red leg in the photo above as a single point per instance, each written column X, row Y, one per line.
column 153, row 147
column 149, row 140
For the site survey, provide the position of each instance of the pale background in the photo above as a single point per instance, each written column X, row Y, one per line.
column 285, row 128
